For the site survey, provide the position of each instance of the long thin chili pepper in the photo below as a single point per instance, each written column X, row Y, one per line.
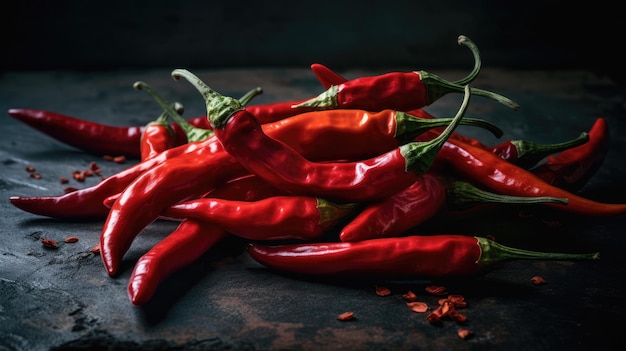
column 242, row 137
column 486, row 169
column 420, row 202
column 273, row 218
column 414, row 256
column 403, row 91
column 572, row 168
column 188, row 241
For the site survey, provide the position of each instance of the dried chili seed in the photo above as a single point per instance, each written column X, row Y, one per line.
column 382, row 291
column 30, row 169
column 49, row 243
column 457, row 300
column 464, row 333
column 64, row 180
column 346, row 316
column 35, row 175
column 96, row 249
column 417, row 306
column 107, row 158
column 71, row 239
column 537, row 280
column 436, row 290
column 94, row 166
column 119, row 159
column 409, row 296
column 78, row 176
column 69, row 189
column 457, row 316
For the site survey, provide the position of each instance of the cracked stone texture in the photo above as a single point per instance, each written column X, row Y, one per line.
column 62, row 299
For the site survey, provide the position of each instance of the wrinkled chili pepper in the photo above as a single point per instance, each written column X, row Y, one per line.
column 273, row 218
column 242, row 137
column 420, row 202
column 157, row 136
column 482, row 167
column 189, row 241
column 572, row 168
column 414, row 256
column 402, row 91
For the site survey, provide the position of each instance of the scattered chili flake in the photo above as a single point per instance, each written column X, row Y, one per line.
column 119, row 159
column 382, row 291
column 436, row 290
column 30, row 169
column 96, row 249
column 457, row 316
column 70, row 189
column 107, row 158
column 464, row 333
column 409, row 296
column 64, row 180
column 78, row 176
column 457, row 300
column 49, row 243
column 94, row 166
column 346, row 316
column 71, row 239
column 417, row 306
column 537, row 280
column 35, row 175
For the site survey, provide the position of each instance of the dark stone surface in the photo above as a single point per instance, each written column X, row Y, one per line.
column 62, row 299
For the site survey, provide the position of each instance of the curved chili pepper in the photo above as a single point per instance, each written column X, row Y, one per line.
column 242, row 137
column 486, row 169
column 403, row 91
column 572, row 168
column 273, row 218
column 188, row 241
column 415, row 256
column 158, row 135
column 420, row 202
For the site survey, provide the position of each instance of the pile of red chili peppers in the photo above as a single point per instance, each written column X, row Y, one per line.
column 337, row 184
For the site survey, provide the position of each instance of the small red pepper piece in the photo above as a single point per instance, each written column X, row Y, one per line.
column 414, row 256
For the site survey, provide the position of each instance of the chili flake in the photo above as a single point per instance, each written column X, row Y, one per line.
column 464, row 333
column 96, row 249
column 417, row 306
column 49, row 243
column 119, row 159
column 436, row 290
column 537, row 280
column 30, row 169
column 71, row 239
column 382, row 291
column 64, row 180
column 346, row 316
column 35, row 175
column 409, row 296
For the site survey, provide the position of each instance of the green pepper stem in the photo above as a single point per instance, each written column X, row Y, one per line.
column 219, row 108
column 163, row 117
column 462, row 195
column 530, row 153
column 408, row 127
column 420, row 155
column 193, row 133
column 331, row 212
column 438, row 87
column 463, row 40
column 493, row 253
column 245, row 99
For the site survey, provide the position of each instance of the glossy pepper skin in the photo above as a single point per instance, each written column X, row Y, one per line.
column 572, row 168
column 482, row 167
column 158, row 136
column 273, row 218
column 402, row 91
column 414, row 256
column 242, row 137
column 188, row 241
column 429, row 196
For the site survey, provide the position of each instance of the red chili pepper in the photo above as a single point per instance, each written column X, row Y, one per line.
column 415, row 256
column 273, row 218
column 402, row 91
column 157, row 136
column 486, row 169
column 572, row 168
column 420, row 202
column 242, row 136
column 188, row 241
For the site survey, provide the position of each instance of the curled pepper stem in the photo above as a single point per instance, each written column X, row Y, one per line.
column 462, row 195
column 463, row 40
column 245, row 99
column 421, row 155
column 163, row 117
column 529, row 153
column 407, row 126
column 192, row 133
column 219, row 108
column 438, row 87
column 493, row 253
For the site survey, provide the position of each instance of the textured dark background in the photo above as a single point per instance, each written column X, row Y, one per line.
column 88, row 35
